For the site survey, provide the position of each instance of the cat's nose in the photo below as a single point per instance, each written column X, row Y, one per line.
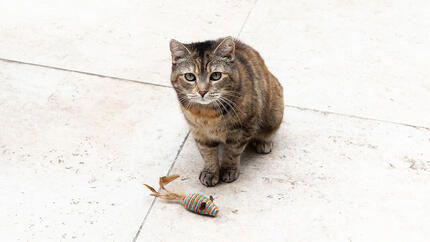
column 202, row 93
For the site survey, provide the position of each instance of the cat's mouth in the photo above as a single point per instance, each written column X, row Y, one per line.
column 207, row 99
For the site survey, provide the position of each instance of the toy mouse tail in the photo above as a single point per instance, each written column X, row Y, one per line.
column 165, row 196
column 168, row 195
column 164, row 180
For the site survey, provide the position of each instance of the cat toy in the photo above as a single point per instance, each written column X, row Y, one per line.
column 195, row 202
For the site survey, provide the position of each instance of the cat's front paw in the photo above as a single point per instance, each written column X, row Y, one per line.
column 208, row 178
column 229, row 174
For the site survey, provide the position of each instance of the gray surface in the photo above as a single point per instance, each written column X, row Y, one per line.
column 88, row 116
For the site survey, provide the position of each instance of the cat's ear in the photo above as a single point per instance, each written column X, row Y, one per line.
column 179, row 51
column 226, row 49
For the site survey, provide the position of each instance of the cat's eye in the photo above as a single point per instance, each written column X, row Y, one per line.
column 190, row 77
column 216, row 76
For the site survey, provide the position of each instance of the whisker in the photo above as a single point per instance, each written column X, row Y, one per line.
column 234, row 92
column 231, row 95
column 220, row 112
column 222, row 105
column 232, row 103
column 234, row 111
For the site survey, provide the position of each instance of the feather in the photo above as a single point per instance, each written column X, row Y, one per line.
column 195, row 202
column 166, row 180
column 167, row 195
column 151, row 188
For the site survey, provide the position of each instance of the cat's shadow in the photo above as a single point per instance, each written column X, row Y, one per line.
column 247, row 157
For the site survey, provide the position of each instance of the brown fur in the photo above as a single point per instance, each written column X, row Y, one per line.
column 244, row 105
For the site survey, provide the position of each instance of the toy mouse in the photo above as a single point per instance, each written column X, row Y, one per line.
column 195, row 202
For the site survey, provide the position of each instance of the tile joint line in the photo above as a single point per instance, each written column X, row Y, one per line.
column 153, row 200
column 357, row 117
column 246, row 19
column 160, row 85
column 84, row 73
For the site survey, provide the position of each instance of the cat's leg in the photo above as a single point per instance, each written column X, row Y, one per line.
column 209, row 176
column 263, row 140
column 231, row 160
column 271, row 120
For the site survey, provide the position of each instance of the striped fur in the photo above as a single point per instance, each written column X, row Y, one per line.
column 244, row 106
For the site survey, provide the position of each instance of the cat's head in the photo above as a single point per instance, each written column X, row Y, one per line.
column 204, row 73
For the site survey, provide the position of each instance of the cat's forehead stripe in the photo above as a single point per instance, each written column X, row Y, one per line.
column 199, row 64
column 206, row 62
column 208, row 66
column 195, row 68
column 202, row 65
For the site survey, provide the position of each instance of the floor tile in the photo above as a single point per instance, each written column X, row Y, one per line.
column 328, row 178
column 114, row 38
column 360, row 58
column 75, row 150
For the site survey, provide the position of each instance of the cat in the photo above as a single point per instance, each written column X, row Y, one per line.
column 228, row 97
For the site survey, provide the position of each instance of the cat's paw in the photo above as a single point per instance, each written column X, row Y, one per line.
column 229, row 174
column 208, row 178
column 262, row 147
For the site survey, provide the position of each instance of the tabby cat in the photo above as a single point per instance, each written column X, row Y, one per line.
column 228, row 97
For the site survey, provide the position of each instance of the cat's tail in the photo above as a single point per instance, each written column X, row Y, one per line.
column 167, row 195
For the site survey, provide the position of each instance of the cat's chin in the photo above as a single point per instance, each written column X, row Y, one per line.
column 203, row 101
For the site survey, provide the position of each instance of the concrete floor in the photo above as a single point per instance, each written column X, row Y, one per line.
column 87, row 116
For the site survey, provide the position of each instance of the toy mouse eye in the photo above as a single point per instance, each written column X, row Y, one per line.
column 190, row 77
column 216, row 76
column 202, row 206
